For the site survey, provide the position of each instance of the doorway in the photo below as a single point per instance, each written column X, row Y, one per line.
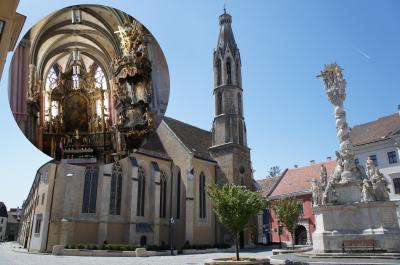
column 300, row 235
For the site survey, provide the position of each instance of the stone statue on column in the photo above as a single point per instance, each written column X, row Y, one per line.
column 344, row 185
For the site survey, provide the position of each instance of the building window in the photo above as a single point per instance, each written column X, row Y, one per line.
column 218, row 106
column 75, row 16
column 392, row 157
column 90, row 190
column 239, row 102
column 396, row 184
column 228, row 71
column 374, row 159
column 218, row 72
column 178, row 196
column 116, row 189
column 100, row 78
column 237, row 73
column 43, row 198
column 163, row 195
column 38, row 223
column 141, row 191
column 302, row 207
column 202, row 195
column 356, row 161
column 2, row 220
column 240, row 133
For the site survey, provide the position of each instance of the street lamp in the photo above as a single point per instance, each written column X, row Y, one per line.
column 171, row 238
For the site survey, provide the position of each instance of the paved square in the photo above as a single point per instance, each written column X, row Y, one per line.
column 11, row 255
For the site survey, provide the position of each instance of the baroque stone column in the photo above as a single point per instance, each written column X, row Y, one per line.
column 344, row 185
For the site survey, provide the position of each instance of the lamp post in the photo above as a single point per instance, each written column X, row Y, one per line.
column 171, row 238
column 280, row 233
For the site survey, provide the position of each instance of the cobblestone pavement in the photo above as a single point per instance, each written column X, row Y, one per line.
column 11, row 255
column 299, row 260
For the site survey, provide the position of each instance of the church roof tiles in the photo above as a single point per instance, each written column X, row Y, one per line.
column 195, row 139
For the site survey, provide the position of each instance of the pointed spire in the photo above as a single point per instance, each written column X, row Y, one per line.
column 226, row 37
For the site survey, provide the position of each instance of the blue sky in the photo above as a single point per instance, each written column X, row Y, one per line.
column 283, row 45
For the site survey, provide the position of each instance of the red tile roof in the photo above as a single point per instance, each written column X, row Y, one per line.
column 377, row 130
column 267, row 184
column 298, row 180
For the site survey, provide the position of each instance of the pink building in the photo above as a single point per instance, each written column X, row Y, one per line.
column 296, row 182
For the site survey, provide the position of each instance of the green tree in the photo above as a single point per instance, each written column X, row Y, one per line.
column 288, row 212
column 234, row 206
column 274, row 171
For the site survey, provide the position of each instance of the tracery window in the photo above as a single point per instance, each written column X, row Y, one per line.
column 202, row 196
column 51, row 79
column 229, row 71
column 90, row 190
column 116, row 189
column 239, row 100
column 237, row 73
column 218, row 72
column 100, row 78
column 141, row 191
column 50, row 108
column 178, row 196
column 219, row 104
column 163, row 195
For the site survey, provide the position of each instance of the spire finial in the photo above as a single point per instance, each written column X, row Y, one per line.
column 224, row 8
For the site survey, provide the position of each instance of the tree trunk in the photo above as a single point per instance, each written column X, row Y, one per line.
column 292, row 234
column 237, row 236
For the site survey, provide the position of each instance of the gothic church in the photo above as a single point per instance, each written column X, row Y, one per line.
column 133, row 199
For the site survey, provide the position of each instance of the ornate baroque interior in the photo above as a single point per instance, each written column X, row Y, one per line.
column 86, row 82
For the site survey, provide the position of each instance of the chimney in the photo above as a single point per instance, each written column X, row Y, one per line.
column 312, row 162
column 328, row 158
column 296, row 166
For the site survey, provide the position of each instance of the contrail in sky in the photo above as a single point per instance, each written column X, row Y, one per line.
column 362, row 53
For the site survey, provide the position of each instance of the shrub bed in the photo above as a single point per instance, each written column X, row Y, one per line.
column 117, row 247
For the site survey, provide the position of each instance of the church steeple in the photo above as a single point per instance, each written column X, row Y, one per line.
column 228, row 126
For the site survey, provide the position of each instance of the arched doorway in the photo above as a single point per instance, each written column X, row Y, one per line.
column 300, row 235
column 143, row 240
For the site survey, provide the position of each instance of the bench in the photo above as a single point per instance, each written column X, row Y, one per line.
column 360, row 245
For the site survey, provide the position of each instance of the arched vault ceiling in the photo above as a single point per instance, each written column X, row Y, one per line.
column 95, row 34
column 51, row 57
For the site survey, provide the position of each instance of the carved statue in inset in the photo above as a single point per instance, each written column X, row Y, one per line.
column 132, row 88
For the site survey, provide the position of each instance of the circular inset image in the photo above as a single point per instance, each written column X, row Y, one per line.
column 88, row 82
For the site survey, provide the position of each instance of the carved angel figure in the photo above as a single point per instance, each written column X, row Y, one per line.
column 367, row 191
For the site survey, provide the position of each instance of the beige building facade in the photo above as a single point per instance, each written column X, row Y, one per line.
column 157, row 194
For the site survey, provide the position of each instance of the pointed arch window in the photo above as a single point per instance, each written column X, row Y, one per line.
column 178, row 196
column 50, row 108
column 141, row 192
column 219, row 72
column 116, row 189
column 90, row 190
column 240, row 104
column 240, row 133
column 218, row 103
column 202, row 196
column 237, row 73
column 163, row 195
column 100, row 78
column 228, row 71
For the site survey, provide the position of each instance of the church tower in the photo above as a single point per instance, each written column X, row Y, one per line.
column 229, row 142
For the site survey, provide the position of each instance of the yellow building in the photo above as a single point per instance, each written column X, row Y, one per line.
column 11, row 24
